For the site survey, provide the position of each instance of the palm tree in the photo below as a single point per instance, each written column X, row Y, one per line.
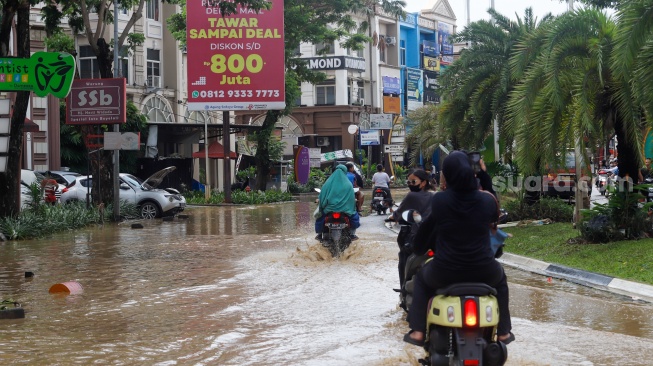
column 475, row 88
column 569, row 93
column 633, row 70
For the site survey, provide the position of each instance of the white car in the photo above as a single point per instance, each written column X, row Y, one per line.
column 151, row 201
column 29, row 177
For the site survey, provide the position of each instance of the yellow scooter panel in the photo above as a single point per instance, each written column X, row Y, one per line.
column 447, row 311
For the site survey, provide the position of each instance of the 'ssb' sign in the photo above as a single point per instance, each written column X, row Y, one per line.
column 97, row 101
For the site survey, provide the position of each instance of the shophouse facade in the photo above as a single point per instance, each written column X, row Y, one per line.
column 392, row 75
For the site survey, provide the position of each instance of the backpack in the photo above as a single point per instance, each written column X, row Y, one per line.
column 359, row 180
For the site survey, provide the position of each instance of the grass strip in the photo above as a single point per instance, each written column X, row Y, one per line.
column 628, row 259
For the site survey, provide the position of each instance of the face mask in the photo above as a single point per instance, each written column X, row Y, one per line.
column 414, row 188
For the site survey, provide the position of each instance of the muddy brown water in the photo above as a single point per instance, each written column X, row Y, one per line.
column 247, row 285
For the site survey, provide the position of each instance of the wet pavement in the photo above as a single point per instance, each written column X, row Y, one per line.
column 248, row 285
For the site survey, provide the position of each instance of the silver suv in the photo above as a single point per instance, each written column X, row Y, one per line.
column 151, row 201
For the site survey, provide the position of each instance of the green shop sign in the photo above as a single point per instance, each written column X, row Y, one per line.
column 44, row 73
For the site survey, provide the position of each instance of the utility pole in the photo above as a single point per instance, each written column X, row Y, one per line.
column 116, row 126
column 495, row 130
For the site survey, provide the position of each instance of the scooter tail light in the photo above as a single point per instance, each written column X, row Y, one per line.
column 430, row 253
column 471, row 363
column 471, row 313
column 336, row 215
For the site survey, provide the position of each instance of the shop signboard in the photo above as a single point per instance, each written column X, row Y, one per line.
column 235, row 62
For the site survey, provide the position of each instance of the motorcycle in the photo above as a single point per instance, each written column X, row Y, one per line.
column 461, row 327
column 462, row 318
column 336, row 232
column 602, row 181
column 409, row 267
column 380, row 201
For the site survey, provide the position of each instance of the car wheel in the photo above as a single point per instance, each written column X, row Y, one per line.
column 150, row 210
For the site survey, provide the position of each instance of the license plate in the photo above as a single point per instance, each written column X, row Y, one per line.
column 378, row 198
column 337, row 226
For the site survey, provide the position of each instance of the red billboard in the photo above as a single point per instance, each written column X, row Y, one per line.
column 97, row 102
column 235, row 62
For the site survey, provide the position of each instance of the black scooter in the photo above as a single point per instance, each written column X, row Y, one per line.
column 409, row 263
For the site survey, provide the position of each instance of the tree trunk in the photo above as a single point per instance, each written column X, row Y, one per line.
column 263, row 149
column 628, row 155
column 102, row 162
column 10, row 181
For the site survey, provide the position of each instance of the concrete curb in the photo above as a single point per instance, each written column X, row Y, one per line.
column 635, row 290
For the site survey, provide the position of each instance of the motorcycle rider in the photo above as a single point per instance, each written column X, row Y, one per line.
column 419, row 198
column 459, row 228
column 337, row 195
column 357, row 181
column 380, row 179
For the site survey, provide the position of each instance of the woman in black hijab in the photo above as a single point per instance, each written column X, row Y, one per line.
column 459, row 222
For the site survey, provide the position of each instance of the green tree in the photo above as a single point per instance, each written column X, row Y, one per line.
column 569, row 93
column 475, row 88
column 15, row 17
column 311, row 21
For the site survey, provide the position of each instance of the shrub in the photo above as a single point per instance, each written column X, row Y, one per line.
column 622, row 217
column 315, row 180
column 599, row 229
column 546, row 208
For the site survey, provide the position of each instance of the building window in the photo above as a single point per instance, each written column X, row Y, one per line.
column 402, row 53
column 124, row 63
column 153, row 68
column 354, row 53
column 157, row 110
column 153, row 9
column 382, row 54
column 326, row 93
column 88, row 64
column 325, row 48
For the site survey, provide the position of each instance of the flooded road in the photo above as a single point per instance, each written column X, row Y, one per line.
column 248, row 286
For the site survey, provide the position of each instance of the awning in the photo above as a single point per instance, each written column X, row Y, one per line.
column 216, row 151
column 30, row 126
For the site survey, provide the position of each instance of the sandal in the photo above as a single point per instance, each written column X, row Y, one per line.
column 412, row 341
column 507, row 341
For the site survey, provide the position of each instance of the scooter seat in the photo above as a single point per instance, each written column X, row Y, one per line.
column 467, row 288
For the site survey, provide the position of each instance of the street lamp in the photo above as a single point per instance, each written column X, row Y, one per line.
column 5, row 129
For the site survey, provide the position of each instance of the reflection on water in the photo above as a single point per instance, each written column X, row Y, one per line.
column 239, row 285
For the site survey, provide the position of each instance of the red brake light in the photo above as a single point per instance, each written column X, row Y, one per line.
column 336, row 215
column 471, row 313
column 470, row 363
column 64, row 190
column 430, row 253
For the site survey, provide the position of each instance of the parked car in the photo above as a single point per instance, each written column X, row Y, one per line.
column 61, row 176
column 151, row 201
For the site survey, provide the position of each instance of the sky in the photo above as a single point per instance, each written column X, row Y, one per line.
column 478, row 8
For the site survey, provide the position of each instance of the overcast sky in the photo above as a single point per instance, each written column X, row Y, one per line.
column 479, row 8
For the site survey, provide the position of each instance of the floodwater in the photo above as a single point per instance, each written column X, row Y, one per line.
column 246, row 285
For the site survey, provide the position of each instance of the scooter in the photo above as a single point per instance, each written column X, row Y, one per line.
column 602, row 181
column 409, row 267
column 461, row 327
column 380, row 201
column 462, row 319
column 336, row 232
